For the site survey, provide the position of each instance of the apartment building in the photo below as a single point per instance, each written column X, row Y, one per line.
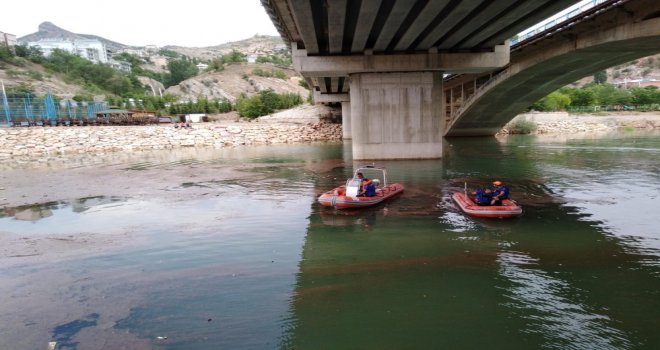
column 93, row 50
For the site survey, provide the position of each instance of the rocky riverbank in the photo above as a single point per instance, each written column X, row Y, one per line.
column 564, row 123
column 35, row 142
column 44, row 141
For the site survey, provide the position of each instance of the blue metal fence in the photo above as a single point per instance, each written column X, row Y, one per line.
column 32, row 110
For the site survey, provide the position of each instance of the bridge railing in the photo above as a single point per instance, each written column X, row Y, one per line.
column 557, row 24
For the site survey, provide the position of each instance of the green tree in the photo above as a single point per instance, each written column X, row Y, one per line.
column 556, row 101
column 600, row 77
column 180, row 70
column 284, row 60
column 169, row 53
column 32, row 53
column 5, row 54
column 234, row 56
column 608, row 94
column 271, row 101
column 580, row 97
column 118, row 84
column 250, row 107
column 645, row 96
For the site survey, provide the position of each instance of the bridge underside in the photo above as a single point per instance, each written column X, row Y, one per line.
column 388, row 58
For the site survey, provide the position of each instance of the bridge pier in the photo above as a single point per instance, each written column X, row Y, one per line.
column 397, row 115
column 346, row 120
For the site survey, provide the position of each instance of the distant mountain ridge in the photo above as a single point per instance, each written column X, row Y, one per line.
column 48, row 30
column 253, row 44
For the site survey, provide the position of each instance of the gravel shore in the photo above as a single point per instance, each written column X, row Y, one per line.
column 565, row 123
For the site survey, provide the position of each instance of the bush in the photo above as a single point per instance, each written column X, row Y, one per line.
column 522, row 126
column 553, row 102
column 250, row 107
column 273, row 73
column 265, row 103
column 35, row 75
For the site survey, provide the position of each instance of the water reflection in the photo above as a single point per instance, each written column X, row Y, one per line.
column 544, row 301
column 40, row 211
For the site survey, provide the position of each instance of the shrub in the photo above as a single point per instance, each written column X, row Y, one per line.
column 13, row 73
column 522, row 126
column 35, row 75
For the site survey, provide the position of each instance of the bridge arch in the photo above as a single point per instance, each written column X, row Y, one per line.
column 549, row 64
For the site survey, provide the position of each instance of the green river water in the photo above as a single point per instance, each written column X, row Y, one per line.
column 262, row 265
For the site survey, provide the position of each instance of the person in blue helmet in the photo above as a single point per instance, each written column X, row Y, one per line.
column 483, row 196
column 500, row 192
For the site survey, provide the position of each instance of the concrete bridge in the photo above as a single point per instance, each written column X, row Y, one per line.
column 384, row 60
column 617, row 32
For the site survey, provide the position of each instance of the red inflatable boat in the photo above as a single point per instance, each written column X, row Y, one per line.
column 345, row 196
column 508, row 209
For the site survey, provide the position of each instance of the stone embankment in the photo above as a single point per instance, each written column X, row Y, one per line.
column 43, row 141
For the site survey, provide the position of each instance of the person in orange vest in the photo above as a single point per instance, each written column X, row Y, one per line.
column 500, row 192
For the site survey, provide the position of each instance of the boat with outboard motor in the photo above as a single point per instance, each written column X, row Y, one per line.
column 350, row 194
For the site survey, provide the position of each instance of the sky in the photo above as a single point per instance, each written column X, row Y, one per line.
column 192, row 23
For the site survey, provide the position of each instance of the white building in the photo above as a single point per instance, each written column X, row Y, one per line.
column 151, row 48
column 202, row 66
column 120, row 65
column 7, row 39
column 93, row 50
column 135, row 52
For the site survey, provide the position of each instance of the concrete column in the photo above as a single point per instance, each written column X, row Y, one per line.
column 397, row 115
column 346, row 120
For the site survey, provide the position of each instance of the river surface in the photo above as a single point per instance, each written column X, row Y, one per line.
column 255, row 262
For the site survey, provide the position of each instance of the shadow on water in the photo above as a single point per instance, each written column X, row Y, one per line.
column 64, row 334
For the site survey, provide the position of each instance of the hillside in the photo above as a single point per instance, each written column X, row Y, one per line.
column 231, row 83
column 37, row 78
column 644, row 71
column 237, row 79
column 257, row 43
